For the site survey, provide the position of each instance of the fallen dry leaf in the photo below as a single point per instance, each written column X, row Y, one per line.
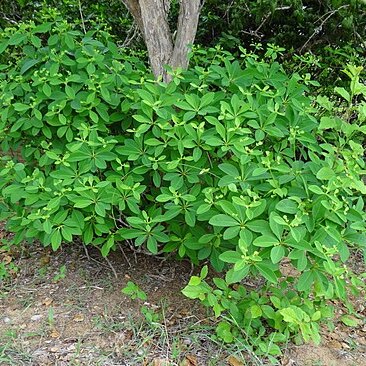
column 54, row 334
column 7, row 259
column 334, row 344
column 233, row 361
column 47, row 301
column 190, row 361
column 160, row 362
column 288, row 362
column 45, row 260
column 78, row 318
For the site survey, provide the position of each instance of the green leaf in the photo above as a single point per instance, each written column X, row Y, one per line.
column 164, row 198
column 88, row 234
column 207, row 99
column 236, row 276
column 94, row 117
column 47, row 90
column 134, row 220
column 105, row 93
column 204, row 272
column 265, row 241
column 256, row 311
column 315, row 189
column 350, row 321
column 298, row 233
column 223, row 330
column 43, row 28
column 130, row 233
column 223, row 221
column 289, row 315
column 82, row 202
column 56, row 239
column 203, row 208
column 277, row 253
column 231, row 232
column 69, row 41
column 70, row 92
column 20, row 107
column 305, row 281
column 229, row 169
column 47, row 227
column 287, row 206
column 3, row 47
column 343, row 93
column 325, row 173
column 258, row 226
column 276, row 224
column 193, row 292
column 152, row 245
column 100, row 208
column 28, row 65
column 276, row 302
column 259, row 171
column 266, row 272
column 327, row 122
column 66, row 233
column 17, row 38
column 17, row 125
column 230, row 256
column 194, row 281
column 316, row 316
column 107, row 246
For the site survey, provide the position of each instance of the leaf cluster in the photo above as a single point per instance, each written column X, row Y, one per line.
column 229, row 164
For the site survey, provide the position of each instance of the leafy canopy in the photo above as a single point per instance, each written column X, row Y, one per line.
column 228, row 164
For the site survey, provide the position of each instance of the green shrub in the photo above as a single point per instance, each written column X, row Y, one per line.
column 326, row 65
column 227, row 164
column 108, row 15
column 298, row 24
column 290, row 23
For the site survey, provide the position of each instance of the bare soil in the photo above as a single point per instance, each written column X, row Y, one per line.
column 67, row 309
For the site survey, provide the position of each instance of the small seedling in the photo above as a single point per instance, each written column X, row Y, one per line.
column 61, row 274
column 134, row 291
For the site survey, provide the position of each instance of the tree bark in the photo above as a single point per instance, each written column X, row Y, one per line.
column 186, row 32
column 151, row 16
column 157, row 35
column 133, row 7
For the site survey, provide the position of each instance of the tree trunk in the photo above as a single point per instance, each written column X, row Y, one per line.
column 157, row 35
column 186, row 32
column 151, row 16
